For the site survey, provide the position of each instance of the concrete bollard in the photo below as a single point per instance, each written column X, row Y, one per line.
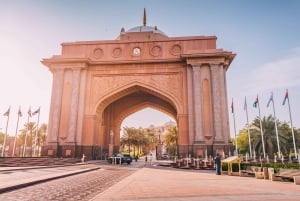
column 270, row 173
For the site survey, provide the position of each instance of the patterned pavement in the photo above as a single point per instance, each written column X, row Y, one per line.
column 82, row 186
column 140, row 182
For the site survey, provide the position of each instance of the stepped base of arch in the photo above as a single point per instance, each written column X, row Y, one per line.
column 202, row 150
column 102, row 152
column 75, row 151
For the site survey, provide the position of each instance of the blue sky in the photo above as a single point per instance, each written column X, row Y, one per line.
column 265, row 35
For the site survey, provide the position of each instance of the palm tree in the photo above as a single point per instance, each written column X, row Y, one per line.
column 28, row 131
column 128, row 138
column 41, row 136
column 171, row 140
column 269, row 136
column 141, row 140
column 288, row 129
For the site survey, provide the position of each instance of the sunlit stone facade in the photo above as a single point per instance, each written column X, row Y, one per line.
column 97, row 84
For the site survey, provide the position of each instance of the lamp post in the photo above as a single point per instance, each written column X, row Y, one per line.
column 111, row 134
column 111, row 145
column 158, row 146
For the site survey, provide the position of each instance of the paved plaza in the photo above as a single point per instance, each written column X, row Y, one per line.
column 150, row 184
column 138, row 182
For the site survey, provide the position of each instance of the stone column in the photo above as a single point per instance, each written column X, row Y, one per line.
column 190, row 105
column 183, row 138
column 197, row 103
column 54, row 119
column 74, row 106
column 81, row 103
column 225, row 116
column 217, row 104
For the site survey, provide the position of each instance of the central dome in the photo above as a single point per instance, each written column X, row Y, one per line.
column 146, row 29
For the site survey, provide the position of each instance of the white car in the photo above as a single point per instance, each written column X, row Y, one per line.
column 165, row 156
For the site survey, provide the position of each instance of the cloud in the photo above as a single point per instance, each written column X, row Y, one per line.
column 282, row 73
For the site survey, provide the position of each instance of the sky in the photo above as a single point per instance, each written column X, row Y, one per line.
column 265, row 36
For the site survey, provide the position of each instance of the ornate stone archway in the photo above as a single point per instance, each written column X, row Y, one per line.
column 96, row 84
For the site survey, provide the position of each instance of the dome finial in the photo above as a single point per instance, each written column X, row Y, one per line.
column 144, row 18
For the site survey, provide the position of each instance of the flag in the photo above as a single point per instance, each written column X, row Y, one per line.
column 255, row 102
column 29, row 112
column 7, row 112
column 19, row 112
column 245, row 104
column 271, row 99
column 285, row 97
column 232, row 108
column 35, row 112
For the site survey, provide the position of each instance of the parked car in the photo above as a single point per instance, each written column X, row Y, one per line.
column 165, row 156
column 125, row 158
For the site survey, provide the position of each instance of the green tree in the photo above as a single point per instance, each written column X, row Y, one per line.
column 171, row 140
column 269, row 136
column 28, row 131
column 128, row 138
column 242, row 141
column 41, row 137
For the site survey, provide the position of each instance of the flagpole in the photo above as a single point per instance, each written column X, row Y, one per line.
column 261, row 131
column 4, row 141
column 295, row 150
column 36, row 132
column 276, row 130
column 13, row 153
column 236, row 148
column 249, row 137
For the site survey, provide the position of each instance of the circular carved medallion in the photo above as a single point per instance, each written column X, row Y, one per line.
column 176, row 50
column 156, row 51
column 117, row 52
column 98, row 53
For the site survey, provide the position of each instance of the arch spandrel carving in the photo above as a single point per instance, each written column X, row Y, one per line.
column 167, row 83
column 131, row 88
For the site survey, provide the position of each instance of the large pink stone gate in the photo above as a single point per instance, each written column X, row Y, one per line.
column 97, row 84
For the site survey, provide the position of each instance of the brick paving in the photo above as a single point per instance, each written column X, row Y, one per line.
column 78, row 187
column 137, row 182
column 150, row 184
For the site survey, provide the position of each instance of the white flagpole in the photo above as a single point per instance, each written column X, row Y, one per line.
column 13, row 153
column 295, row 150
column 261, row 131
column 249, row 137
column 4, row 141
column 276, row 130
column 36, row 133
column 236, row 147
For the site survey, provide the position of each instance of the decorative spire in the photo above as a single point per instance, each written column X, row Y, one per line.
column 144, row 18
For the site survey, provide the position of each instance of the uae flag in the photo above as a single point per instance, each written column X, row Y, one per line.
column 7, row 112
column 255, row 102
column 35, row 112
column 271, row 99
column 29, row 112
column 285, row 97
column 232, row 108
column 19, row 112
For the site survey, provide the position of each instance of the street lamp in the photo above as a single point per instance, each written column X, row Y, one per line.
column 111, row 134
column 159, row 141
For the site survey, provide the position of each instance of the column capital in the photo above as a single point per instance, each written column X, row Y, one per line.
column 64, row 66
column 196, row 65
